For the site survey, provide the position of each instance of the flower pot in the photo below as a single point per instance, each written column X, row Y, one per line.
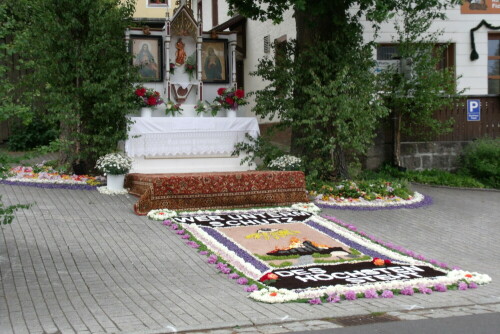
column 146, row 112
column 115, row 182
column 231, row 113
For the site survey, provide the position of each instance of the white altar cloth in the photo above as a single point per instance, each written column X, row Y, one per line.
column 187, row 136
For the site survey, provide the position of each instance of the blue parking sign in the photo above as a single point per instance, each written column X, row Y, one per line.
column 473, row 110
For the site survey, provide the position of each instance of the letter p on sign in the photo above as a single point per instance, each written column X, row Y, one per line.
column 473, row 110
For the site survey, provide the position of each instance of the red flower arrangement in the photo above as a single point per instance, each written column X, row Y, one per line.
column 269, row 278
column 380, row 262
column 229, row 98
column 147, row 97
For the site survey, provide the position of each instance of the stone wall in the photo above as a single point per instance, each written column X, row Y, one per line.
column 427, row 155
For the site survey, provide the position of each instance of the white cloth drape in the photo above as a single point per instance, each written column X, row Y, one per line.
column 187, row 136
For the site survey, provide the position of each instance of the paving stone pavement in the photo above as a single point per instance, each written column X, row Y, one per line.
column 82, row 262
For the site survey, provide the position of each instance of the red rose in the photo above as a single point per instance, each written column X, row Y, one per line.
column 221, row 90
column 151, row 101
column 229, row 101
column 239, row 93
column 386, row 262
column 140, row 91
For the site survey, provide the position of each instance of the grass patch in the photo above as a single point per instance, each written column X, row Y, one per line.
column 275, row 257
column 281, row 265
column 363, row 258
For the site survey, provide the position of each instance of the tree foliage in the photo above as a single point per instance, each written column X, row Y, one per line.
column 416, row 89
column 78, row 72
column 337, row 114
column 324, row 88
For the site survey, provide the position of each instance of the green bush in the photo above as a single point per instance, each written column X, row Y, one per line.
column 481, row 160
column 431, row 176
column 27, row 137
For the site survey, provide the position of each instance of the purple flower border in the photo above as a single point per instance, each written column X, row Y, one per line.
column 50, row 185
column 425, row 202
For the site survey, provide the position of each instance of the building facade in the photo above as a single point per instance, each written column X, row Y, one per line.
column 480, row 76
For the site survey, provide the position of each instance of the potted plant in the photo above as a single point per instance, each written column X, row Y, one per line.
column 114, row 166
column 190, row 66
column 147, row 99
column 229, row 99
column 201, row 108
column 172, row 108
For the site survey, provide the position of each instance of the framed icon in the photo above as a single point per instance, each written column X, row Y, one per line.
column 147, row 54
column 214, row 61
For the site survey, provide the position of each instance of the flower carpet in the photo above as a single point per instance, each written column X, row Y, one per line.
column 46, row 177
column 289, row 254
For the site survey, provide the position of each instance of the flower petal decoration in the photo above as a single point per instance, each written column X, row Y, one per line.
column 295, row 255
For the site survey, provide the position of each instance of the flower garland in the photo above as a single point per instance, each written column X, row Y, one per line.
column 418, row 200
column 455, row 279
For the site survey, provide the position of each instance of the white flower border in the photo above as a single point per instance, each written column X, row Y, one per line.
column 307, row 207
column 273, row 295
column 361, row 202
column 36, row 180
column 161, row 214
column 285, row 295
column 106, row 191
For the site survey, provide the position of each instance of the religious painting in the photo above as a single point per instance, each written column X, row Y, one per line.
column 480, row 7
column 147, row 56
column 214, row 60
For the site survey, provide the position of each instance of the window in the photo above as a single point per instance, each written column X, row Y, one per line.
column 280, row 49
column 494, row 64
column 157, row 3
column 387, row 52
column 390, row 52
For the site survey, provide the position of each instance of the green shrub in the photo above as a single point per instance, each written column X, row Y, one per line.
column 431, row 176
column 27, row 137
column 481, row 160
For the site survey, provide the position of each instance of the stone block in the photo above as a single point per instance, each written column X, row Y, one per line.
column 409, row 148
column 426, row 147
column 427, row 161
column 440, row 161
column 411, row 162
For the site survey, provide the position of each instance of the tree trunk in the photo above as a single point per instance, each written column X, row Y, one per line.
column 397, row 138
column 340, row 164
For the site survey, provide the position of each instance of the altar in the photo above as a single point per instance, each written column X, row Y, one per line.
column 187, row 70
column 188, row 144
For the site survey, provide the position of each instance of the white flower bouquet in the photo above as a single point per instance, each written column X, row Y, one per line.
column 285, row 162
column 114, row 164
